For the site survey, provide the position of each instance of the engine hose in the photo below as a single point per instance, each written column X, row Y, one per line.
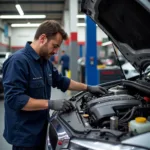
column 105, row 123
column 144, row 89
column 135, row 83
column 130, row 117
column 125, row 115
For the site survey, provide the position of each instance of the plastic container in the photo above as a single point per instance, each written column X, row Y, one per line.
column 139, row 125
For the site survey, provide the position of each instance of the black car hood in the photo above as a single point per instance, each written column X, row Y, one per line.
column 127, row 24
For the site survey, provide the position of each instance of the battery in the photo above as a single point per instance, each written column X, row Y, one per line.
column 114, row 123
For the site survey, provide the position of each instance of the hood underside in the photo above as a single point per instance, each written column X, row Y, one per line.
column 127, row 24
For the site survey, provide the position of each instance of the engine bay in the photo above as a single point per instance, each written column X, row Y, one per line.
column 109, row 115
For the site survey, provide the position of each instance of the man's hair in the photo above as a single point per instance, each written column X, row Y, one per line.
column 50, row 28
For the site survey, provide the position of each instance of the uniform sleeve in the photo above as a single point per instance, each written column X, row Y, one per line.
column 15, row 83
column 59, row 80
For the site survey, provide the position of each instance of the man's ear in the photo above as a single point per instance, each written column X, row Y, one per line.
column 42, row 38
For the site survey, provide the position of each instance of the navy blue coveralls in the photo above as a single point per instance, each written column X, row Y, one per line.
column 24, row 76
column 65, row 63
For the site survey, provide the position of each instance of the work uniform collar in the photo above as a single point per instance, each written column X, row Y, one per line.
column 32, row 51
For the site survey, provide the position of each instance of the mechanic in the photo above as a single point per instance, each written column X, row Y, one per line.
column 64, row 61
column 27, row 79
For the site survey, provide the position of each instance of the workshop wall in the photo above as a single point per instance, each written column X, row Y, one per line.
column 82, row 34
column 21, row 35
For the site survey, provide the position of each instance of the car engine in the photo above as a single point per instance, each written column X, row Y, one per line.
column 124, row 101
column 118, row 103
column 105, row 117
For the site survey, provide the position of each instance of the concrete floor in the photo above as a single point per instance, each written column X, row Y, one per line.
column 56, row 94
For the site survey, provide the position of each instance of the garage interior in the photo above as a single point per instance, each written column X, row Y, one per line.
column 92, row 53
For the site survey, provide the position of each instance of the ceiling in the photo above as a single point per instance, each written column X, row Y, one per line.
column 53, row 9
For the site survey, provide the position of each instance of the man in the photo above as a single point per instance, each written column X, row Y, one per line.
column 64, row 61
column 54, row 60
column 27, row 79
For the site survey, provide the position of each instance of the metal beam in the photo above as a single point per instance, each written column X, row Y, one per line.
column 66, row 5
column 91, row 53
column 32, row 2
column 6, row 12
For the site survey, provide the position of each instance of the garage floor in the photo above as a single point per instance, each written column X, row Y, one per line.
column 56, row 94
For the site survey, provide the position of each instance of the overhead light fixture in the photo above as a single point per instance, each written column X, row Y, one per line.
column 81, row 16
column 18, row 7
column 82, row 24
column 22, row 17
column 26, row 25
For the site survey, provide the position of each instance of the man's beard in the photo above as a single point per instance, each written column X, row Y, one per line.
column 44, row 52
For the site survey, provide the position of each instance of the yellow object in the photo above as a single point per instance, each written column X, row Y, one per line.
column 101, row 66
column 69, row 74
column 85, row 115
column 140, row 120
column 139, row 125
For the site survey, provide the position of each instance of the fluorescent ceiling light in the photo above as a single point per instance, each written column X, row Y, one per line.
column 18, row 7
column 26, row 25
column 82, row 24
column 107, row 43
column 22, row 17
column 81, row 16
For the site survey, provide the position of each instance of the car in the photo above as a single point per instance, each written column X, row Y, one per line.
column 129, row 70
column 119, row 119
column 3, row 57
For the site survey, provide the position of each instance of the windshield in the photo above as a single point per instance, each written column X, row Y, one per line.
column 2, row 56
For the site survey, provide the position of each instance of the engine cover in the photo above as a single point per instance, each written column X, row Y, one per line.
column 116, row 105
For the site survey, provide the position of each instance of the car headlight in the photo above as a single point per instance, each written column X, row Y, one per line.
column 77, row 144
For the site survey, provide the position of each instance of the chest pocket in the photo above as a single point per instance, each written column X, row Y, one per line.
column 36, row 89
column 36, row 84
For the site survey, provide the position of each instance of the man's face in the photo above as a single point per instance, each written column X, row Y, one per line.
column 50, row 47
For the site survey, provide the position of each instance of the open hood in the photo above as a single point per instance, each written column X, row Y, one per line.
column 127, row 24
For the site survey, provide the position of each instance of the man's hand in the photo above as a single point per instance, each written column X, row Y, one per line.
column 60, row 105
column 96, row 90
